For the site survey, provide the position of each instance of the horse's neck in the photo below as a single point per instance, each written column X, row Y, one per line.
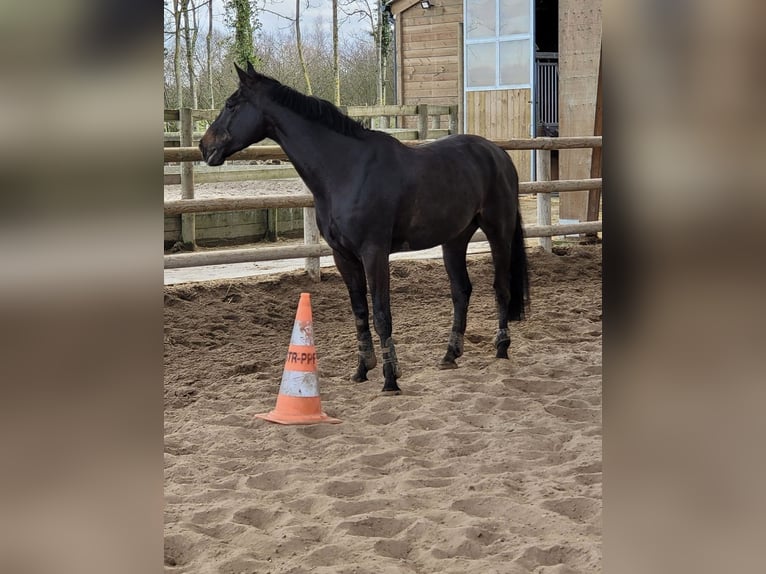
column 314, row 149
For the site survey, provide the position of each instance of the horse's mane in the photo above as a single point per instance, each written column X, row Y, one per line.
column 315, row 109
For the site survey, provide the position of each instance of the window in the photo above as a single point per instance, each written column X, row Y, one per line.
column 498, row 44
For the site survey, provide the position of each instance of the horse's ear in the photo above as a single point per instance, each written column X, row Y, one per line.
column 250, row 69
column 241, row 73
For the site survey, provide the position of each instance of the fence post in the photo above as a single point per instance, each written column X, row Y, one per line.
column 271, row 224
column 594, row 197
column 311, row 237
column 188, row 221
column 422, row 121
column 453, row 125
column 544, row 199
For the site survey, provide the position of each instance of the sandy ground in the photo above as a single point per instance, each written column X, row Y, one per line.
column 237, row 188
column 493, row 467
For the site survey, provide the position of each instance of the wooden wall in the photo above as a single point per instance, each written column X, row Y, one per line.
column 427, row 49
column 579, row 48
column 502, row 115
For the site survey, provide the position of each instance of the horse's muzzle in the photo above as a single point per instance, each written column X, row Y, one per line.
column 211, row 149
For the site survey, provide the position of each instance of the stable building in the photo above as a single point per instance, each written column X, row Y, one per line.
column 516, row 68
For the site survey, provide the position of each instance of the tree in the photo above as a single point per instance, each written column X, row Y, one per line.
column 190, row 40
column 299, row 44
column 177, row 53
column 275, row 53
column 209, row 52
column 335, row 60
column 384, row 37
column 380, row 20
column 244, row 22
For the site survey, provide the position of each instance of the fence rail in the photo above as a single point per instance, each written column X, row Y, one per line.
column 314, row 248
column 178, row 206
column 426, row 114
column 264, row 152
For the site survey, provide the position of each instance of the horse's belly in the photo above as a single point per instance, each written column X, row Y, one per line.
column 432, row 228
column 412, row 245
column 415, row 238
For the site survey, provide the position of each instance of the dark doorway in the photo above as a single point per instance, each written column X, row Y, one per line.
column 547, row 25
column 546, row 67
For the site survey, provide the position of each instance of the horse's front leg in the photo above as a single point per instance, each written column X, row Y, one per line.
column 353, row 275
column 378, row 275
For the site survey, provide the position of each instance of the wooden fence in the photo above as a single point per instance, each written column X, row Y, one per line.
column 433, row 121
column 390, row 119
column 313, row 248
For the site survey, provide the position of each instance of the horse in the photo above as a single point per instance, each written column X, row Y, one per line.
column 375, row 196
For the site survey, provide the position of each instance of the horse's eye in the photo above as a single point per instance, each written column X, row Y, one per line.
column 230, row 104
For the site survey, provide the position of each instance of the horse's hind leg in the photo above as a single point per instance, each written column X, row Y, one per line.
column 454, row 252
column 499, row 237
column 353, row 275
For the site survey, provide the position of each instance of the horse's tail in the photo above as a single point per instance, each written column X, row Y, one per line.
column 519, row 303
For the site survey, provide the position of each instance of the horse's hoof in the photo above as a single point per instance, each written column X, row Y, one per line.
column 502, row 347
column 357, row 378
column 390, row 389
column 445, row 364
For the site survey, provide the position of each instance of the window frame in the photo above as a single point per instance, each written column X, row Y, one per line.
column 496, row 40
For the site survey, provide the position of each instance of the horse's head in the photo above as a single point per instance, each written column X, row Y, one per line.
column 240, row 122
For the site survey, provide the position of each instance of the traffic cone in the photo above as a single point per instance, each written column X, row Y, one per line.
column 298, row 402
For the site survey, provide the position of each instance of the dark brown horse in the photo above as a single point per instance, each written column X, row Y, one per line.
column 375, row 196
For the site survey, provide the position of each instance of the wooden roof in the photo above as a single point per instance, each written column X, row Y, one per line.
column 399, row 6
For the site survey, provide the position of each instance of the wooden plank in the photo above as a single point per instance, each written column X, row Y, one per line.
column 441, row 93
column 448, row 17
column 460, row 80
column 594, row 196
column 531, row 231
column 426, row 82
column 250, row 203
column 423, row 121
column 188, row 229
column 248, row 255
column 558, row 186
column 550, row 143
column 441, row 32
column 434, row 73
column 311, row 237
column 434, row 110
column 543, row 158
column 580, row 24
column 275, row 152
column 428, row 60
column 432, row 68
column 399, row 64
column 399, row 6
column 417, row 43
column 428, row 52
column 199, row 259
column 374, row 111
column 563, row 229
column 272, row 219
column 210, row 205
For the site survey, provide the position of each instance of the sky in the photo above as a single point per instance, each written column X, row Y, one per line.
column 311, row 11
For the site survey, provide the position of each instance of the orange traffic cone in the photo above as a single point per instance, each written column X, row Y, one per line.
column 298, row 402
